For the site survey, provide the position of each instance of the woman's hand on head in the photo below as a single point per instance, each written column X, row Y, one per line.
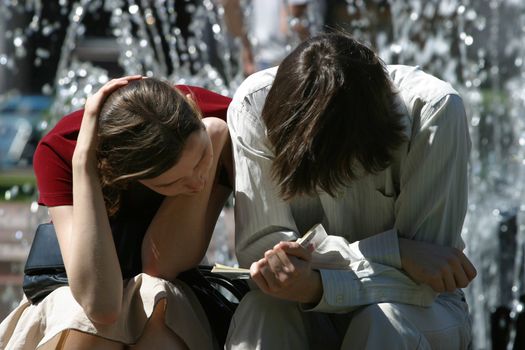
column 95, row 101
column 87, row 137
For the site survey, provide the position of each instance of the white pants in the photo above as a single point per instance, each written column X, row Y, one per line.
column 263, row 322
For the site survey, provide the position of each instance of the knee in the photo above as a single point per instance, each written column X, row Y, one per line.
column 380, row 323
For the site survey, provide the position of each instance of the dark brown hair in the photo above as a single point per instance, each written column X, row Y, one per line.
column 142, row 130
column 330, row 110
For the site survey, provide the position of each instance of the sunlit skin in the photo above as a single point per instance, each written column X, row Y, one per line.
column 189, row 174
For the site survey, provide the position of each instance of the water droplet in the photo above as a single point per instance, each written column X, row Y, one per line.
column 414, row 16
column 133, row 9
column 469, row 40
column 471, row 15
column 396, row 48
column 43, row 53
column 495, row 212
column 150, row 20
column 47, row 89
column 18, row 41
column 19, row 234
column 216, row 28
column 461, row 9
column 34, row 207
column 43, row 125
column 3, row 60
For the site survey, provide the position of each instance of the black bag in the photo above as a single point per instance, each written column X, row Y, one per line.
column 218, row 308
column 44, row 272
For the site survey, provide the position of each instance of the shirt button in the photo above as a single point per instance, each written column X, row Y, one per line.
column 339, row 299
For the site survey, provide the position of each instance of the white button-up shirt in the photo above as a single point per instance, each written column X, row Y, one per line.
column 422, row 195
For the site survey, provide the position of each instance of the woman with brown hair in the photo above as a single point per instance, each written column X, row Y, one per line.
column 134, row 185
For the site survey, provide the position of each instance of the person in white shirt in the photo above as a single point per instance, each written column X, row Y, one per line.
column 376, row 154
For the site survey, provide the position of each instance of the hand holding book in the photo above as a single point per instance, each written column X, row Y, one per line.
column 315, row 236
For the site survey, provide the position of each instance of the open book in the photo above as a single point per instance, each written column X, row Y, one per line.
column 315, row 236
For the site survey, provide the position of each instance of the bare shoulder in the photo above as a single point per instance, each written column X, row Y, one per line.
column 216, row 128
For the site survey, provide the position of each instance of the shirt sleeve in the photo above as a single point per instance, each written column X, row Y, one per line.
column 432, row 202
column 53, row 175
column 262, row 219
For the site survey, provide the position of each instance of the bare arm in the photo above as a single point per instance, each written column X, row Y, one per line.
column 180, row 232
column 234, row 19
column 83, row 229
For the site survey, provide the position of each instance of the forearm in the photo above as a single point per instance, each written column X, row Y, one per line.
column 369, row 283
column 180, row 232
column 178, row 236
column 92, row 263
column 233, row 17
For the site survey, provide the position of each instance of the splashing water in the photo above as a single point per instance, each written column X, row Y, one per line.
column 479, row 47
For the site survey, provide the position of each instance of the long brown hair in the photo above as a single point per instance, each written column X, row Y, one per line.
column 142, row 130
column 330, row 109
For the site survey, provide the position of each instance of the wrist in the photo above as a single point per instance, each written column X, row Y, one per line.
column 314, row 289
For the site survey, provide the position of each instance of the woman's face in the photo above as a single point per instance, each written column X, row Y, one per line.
column 190, row 174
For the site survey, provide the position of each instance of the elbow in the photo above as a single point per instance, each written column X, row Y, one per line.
column 101, row 308
column 103, row 311
column 103, row 316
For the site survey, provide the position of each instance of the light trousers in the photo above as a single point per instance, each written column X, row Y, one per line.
column 263, row 322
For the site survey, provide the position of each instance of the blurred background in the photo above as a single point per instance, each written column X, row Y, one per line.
column 55, row 53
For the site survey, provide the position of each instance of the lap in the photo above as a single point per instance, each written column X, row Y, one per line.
column 59, row 312
column 445, row 324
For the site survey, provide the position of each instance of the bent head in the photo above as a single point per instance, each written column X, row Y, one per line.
column 150, row 132
column 329, row 114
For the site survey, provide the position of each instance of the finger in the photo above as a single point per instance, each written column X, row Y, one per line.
column 295, row 249
column 288, row 266
column 449, row 281
column 461, row 278
column 469, row 269
column 257, row 276
column 437, row 284
column 267, row 271
column 274, row 285
column 112, row 86
column 275, row 264
column 118, row 82
column 128, row 78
